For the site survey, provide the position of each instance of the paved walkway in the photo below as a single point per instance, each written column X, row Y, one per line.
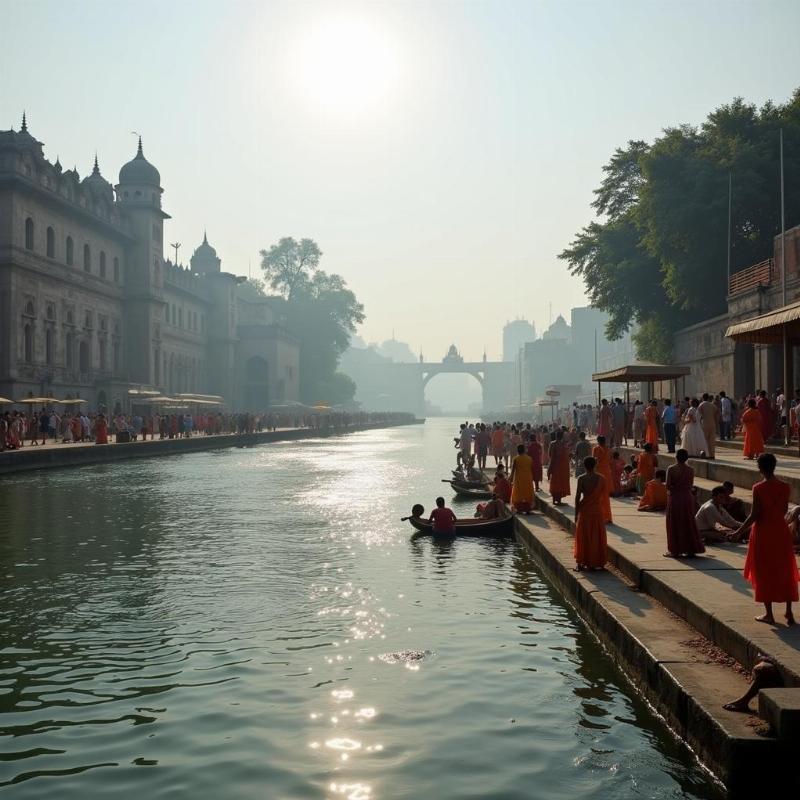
column 709, row 591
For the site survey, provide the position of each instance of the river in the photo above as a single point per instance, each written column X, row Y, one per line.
column 227, row 625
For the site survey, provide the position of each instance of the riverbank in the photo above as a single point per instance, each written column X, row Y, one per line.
column 683, row 631
column 56, row 455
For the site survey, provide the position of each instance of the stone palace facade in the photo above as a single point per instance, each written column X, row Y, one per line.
column 90, row 308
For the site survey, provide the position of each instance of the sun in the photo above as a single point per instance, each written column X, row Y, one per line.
column 346, row 66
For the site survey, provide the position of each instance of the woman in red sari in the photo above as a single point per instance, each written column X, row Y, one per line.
column 535, row 452
column 770, row 564
column 558, row 469
column 753, row 436
column 683, row 538
column 651, row 431
column 591, row 550
column 101, row 430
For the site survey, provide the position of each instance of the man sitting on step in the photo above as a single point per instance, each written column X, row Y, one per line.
column 714, row 523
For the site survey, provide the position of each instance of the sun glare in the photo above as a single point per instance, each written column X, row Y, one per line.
column 346, row 66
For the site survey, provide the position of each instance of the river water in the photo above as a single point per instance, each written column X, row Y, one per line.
column 228, row 625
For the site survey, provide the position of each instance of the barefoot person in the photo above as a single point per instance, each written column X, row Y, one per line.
column 602, row 458
column 522, row 481
column 590, row 548
column 655, row 493
column 765, row 676
column 770, row 564
column 683, row 538
column 535, row 452
column 651, row 422
column 558, row 469
column 753, row 437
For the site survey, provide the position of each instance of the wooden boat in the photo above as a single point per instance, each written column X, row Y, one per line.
column 466, row 484
column 468, row 527
column 474, row 492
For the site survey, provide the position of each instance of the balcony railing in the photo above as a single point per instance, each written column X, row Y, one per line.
column 761, row 274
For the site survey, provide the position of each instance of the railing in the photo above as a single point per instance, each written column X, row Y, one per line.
column 744, row 280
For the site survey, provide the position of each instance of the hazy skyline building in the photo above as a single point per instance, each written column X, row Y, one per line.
column 516, row 334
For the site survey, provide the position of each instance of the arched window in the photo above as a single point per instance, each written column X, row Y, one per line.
column 51, row 243
column 50, row 346
column 103, row 354
column 87, row 258
column 102, row 263
column 115, row 352
column 29, row 234
column 29, row 308
column 83, row 357
column 69, row 350
column 70, row 251
column 116, row 270
column 51, row 312
column 28, row 334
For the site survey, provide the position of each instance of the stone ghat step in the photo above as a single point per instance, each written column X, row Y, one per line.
column 709, row 592
column 742, row 475
column 667, row 662
column 774, row 446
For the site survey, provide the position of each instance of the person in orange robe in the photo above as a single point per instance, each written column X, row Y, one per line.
column 502, row 487
column 522, row 481
column 590, row 549
column 770, row 564
column 617, row 469
column 602, row 457
column 753, row 437
column 655, row 493
column 558, row 469
column 683, row 538
column 646, row 466
column 651, row 419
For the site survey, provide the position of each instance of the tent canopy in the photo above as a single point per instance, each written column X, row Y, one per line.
column 768, row 328
column 635, row 373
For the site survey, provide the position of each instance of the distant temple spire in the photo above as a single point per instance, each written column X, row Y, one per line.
column 96, row 170
column 24, row 128
column 205, row 237
column 139, row 153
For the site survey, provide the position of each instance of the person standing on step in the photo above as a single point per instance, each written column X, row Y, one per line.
column 558, row 469
column 765, row 409
column 590, row 549
column 770, row 564
column 753, row 436
column 726, row 417
column 618, row 419
column 522, row 481
column 602, row 457
column 651, row 422
column 683, row 538
column 582, row 451
column 707, row 412
column 669, row 418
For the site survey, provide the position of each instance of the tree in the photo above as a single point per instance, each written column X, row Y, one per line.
column 658, row 256
column 320, row 311
column 289, row 264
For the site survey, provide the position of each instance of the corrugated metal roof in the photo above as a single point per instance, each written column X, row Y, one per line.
column 768, row 328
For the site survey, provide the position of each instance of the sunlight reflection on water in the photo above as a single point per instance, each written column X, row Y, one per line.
column 258, row 622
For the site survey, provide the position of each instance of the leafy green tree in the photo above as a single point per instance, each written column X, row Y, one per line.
column 657, row 256
column 320, row 311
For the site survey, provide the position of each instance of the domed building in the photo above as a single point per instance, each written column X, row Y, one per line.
column 91, row 308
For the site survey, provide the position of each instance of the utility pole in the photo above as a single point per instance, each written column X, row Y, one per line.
column 730, row 195
column 175, row 246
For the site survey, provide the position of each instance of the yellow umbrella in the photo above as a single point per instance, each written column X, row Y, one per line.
column 5, row 400
column 35, row 401
column 71, row 401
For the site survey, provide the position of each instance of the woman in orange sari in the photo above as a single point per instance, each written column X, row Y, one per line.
column 770, row 564
column 101, row 430
column 558, row 469
column 602, row 457
column 522, row 481
column 590, row 550
column 651, row 419
column 753, row 437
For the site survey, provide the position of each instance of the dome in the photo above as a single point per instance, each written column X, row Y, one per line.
column 96, row 180
column 140, row 170
column 204, row 259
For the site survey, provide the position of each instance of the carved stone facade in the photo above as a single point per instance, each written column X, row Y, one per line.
column 90, row 308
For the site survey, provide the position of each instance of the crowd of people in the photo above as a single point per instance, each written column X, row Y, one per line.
column 35, row 428
column 559, row 452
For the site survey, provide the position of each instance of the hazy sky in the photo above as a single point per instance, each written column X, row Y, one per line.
column 441, row 153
